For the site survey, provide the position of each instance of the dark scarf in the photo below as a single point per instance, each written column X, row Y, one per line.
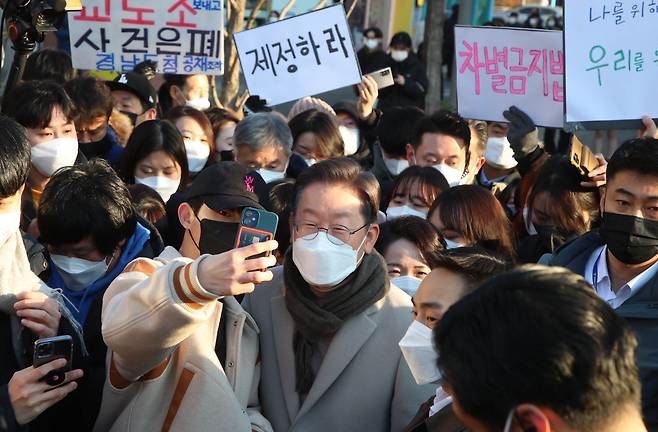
column 319, row 317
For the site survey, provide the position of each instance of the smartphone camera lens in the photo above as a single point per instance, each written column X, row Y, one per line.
column 45, row 350
column 250, row 218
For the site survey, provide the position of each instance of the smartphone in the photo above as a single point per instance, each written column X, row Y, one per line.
column 383, row 77
column 256, row 226
column 53, row 348
column 582, row 157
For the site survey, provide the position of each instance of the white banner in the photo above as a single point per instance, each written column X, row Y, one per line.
column 499, row 67
column 612, row 59
column 182, row 36
column 300, row 56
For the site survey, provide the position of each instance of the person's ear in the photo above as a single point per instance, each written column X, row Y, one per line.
column 151, row 114
column 176, row 94
column 371, row 238
column 411, row 154
column 185, row 215
column 479, row 163
column 530, row 418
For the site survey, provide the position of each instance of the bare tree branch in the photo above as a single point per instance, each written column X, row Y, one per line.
column 242, row 99
column 319, row 5
column 213, row 92
column 286, row 9
column 354, row 2
column 254, row 12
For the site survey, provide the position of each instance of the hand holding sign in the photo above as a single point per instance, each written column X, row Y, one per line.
column 650, row 129
column 300, row 56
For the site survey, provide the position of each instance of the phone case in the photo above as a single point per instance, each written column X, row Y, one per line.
column 383, row 78
column 62, row 347
column 264, row 230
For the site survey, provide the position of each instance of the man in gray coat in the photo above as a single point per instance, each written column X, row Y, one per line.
column 330, row 321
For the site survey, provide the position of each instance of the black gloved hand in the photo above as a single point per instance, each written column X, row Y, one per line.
column 255, row 104
column 523, row 134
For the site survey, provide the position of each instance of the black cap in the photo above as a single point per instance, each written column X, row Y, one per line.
column 136, row 84
column 348, row 108
column 227, row 185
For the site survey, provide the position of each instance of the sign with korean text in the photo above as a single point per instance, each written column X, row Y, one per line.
column 182, row 36
column 300, row 56
column 499, row 67
column 612, row 59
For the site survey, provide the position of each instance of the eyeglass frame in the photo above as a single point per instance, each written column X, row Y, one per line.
column 326, row 231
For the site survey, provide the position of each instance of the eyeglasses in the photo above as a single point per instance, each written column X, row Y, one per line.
column 337, row 234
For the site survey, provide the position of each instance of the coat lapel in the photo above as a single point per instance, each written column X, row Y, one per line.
column 283, row 328
column 344, row 346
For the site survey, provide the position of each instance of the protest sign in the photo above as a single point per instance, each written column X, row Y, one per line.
column 499, row 67
column 182, row 36
column 300, row 56
column 612, row 59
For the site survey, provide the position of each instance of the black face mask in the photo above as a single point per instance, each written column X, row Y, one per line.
column 550, row 237
column 217, row 237
column 131, row 116
column 632, row 240
column 96, row 148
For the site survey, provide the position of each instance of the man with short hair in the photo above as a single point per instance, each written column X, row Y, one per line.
column 443, row 141
column 46, row 111
column 535, row 349
column 620, row 259
column 196, row 336
column 91, row 231
column 263, row 142
column 330, row 320
column 394, row 133
column 93, row 106
column 135, row 97
column 372, row 56
column 455, row 274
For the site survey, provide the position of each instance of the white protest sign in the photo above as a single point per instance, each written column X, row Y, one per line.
column 612, row 59
column 300, row 56
column 182, row 36
column 499, row 67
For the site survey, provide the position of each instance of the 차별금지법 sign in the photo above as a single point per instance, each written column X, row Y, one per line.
column 300, row 56
column 182, row 36
column 499, row 67
column 611, row 49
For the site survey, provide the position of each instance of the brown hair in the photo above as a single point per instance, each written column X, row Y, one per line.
column 327, row 136
column 430, row 182
column 91, row 98
column 342, row 171
column 477, row 215
column 570, row 202
column 179, row 112
column 220, row 117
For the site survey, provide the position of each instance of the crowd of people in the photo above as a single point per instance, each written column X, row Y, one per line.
column 429, row 272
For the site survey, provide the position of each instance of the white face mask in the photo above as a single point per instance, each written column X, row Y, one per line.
column 78, row 273
column 529, row 226
column 405, row 210
column 408, row 284
column 9, row 223
column 418, row 351
column 350, row 139
column 164, row 186
column 399, row 55
column 453, row 175
column 197, row 155
column 49, row 156
column 310, row 162
column 269, row 175
column 371, row 43
column 451, row 244
column 201, row 104
column 499, row 153
column 396, row 166
column 322, row 263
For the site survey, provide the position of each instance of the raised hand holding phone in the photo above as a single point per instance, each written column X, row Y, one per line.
column 232, row 273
